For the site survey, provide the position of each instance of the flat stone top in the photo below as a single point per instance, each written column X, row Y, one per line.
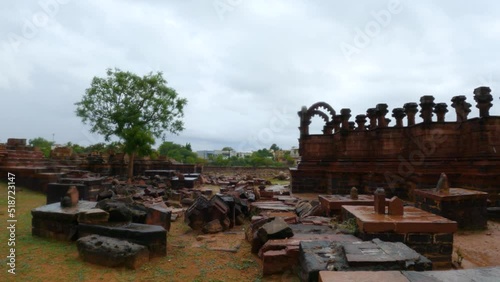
column 361, row 276
column 55, row 211
column 335, row 202
column 413, row 220
column 455, row 194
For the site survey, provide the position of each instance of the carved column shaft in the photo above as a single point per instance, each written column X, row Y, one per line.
column 462, row 108
column 440, row 110
column 360, row 121
column 398, row 114
column 371, row 113
column 381, row 112
column 345, row 114
column 411, row 110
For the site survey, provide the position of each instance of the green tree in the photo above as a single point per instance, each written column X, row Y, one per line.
column 227, row 149
column 135, row 109
column 274, row 147
column 43, row 144
column 178, row 152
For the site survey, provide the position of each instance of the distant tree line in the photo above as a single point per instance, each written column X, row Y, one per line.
column 181, row 153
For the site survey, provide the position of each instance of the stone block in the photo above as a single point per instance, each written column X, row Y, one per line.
column 157, row 215
column 112, row 252
column 93, row 216
column 152, row 236
column 395, row 206
column 275, row 229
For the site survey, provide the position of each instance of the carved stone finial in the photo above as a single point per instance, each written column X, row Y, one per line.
column 398, row 114
column 426, row 105
column 371, row 113
column 345, row 114
column 411, row 110
column 483, row 99
column 381, row 112
column 337, row 119
column 462, row 109
column 440, row 110
column 442, row 185
column 360, row 121
column 354, row 193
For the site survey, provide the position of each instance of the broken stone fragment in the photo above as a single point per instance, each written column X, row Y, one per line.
column 212, row 227
column 276, row 229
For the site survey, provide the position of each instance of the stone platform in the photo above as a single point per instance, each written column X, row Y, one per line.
column 426, row 233
column 54, row 221
column 331, row 205
column 316, row 256
column 152, row 236
column 479, row 274
column 466, row 207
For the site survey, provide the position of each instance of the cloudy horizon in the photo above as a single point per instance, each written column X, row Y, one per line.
column 246, row 67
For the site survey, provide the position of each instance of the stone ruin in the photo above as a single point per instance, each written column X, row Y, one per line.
column 397, row 157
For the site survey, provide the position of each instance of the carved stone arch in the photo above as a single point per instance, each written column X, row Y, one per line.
column 327, row 115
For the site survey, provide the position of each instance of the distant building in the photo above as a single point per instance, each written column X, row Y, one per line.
column 206, row 154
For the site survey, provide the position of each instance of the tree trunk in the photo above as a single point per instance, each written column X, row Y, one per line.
column 131, row 158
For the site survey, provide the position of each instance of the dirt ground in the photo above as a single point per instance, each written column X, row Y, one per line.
column 190, row 257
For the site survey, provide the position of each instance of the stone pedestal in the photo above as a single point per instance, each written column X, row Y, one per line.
column 426, row 233
column 466, row 207
column 337, row 119
column 56, row 222
column 371, row 113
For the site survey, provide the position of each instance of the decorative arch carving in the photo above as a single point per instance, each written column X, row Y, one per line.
column 305, row 116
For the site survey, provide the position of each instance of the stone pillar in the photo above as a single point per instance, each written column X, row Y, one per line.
column 381, row 112
column 360, row 121
column 328, row 128
column 440, row 110
column 410, row 111
column 345, row 114
column 426, row 105
column 304, row 122
column 352, row 125
column 462, row 109
column 379, row 200
column 398, row 114
column 483, row 99
column 371, row 113
column 336, row 123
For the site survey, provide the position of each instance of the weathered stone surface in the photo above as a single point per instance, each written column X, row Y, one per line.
column 54, row 221
column 158, row 215
column 476, row 274
column 93, row 216
column 112, row 252
column 275, row 229
column 213, row 226
column 152, row 236
column 320, row 255
column 120, row 211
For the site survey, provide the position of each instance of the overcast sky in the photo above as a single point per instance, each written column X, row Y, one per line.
column 245, row 66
